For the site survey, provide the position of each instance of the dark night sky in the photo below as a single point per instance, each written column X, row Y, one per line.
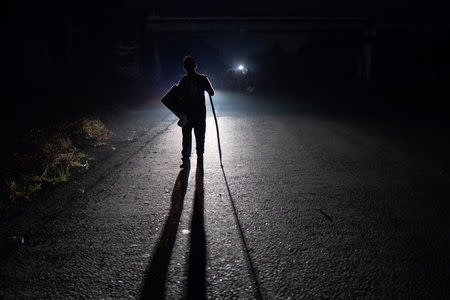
column 417, row 11
column 383, row 9
column 109, row 12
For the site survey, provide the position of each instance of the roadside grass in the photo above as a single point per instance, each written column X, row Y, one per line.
column 46, row 156
column 142, row 130
column 95, row 130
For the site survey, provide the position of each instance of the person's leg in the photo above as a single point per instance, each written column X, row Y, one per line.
column 199, row 131
column 187, row 142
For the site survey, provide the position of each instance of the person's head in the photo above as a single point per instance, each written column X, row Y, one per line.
column 189, row 64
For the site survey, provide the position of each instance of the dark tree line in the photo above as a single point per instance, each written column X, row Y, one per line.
column 64, row 54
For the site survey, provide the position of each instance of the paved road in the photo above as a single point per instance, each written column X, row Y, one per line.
column 328, row 208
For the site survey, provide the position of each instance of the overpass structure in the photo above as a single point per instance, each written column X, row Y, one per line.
column 157, row 25
column 252, row 24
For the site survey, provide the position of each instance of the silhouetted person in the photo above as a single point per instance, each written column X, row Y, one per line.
column 192, row 89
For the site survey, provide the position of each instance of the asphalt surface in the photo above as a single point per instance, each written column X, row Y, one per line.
column 306, row 206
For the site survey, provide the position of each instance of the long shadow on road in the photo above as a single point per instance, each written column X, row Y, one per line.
column 196, row 286
column 156, row 273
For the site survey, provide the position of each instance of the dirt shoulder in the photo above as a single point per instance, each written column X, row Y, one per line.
column 80, row 161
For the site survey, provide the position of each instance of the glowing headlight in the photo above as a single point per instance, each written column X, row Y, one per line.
column 240, row 67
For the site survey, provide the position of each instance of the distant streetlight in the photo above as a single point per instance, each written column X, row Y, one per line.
column 241, row 69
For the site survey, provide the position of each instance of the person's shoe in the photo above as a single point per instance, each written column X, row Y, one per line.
column 183, row 120
column 186, row 164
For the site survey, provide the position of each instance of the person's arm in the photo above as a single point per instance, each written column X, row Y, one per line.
column 208, row 87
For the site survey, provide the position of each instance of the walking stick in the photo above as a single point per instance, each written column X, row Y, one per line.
column 217, row 130
column 250, row 263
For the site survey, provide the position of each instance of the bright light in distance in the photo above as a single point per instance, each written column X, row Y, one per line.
column 240, row 67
